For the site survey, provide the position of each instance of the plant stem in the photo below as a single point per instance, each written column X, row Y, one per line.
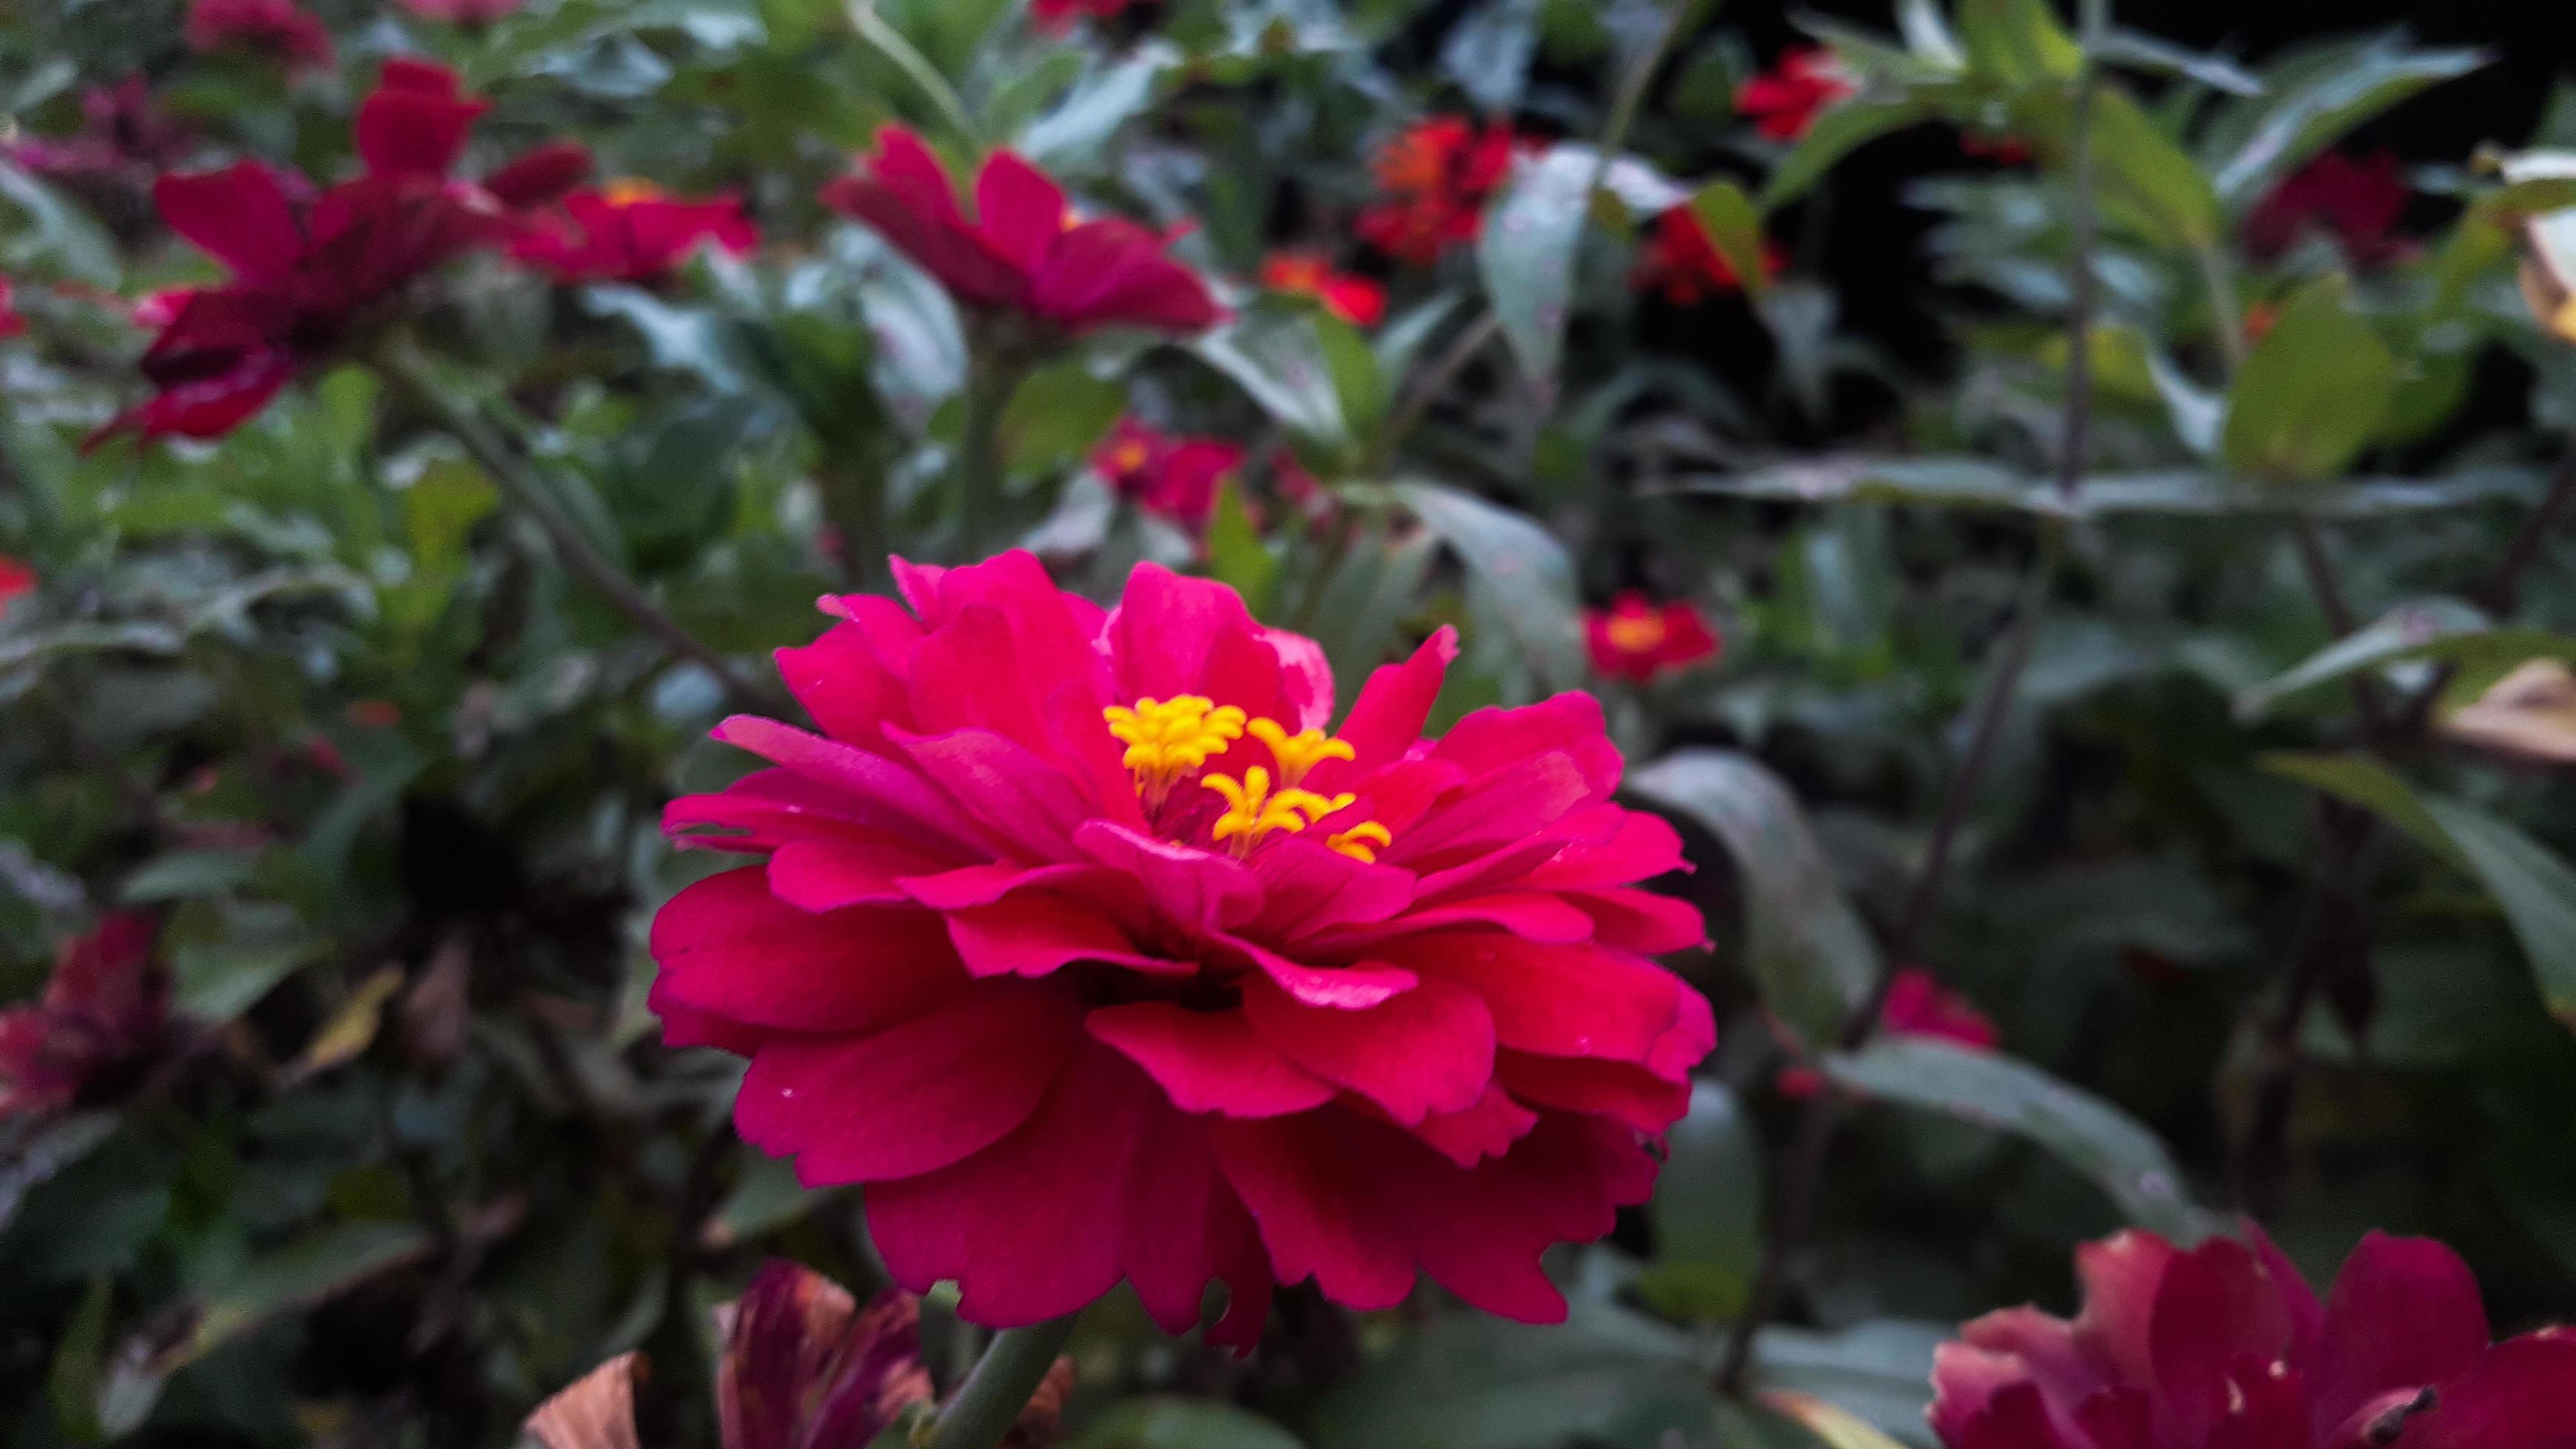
column 1000, row 1385
column 2501, row 591
column 1443, row 371
column 991, row 378
column 854, row 499
column 1632, row 91
column 527, row 494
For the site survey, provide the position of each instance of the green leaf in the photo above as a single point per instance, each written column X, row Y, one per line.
column 1056, row 416
column 2017, row 42
column 1837, row 132
column 1528, row 581
column 1072, row 136
column 1977, row 484
column 1727, row 214
column 1707, row 1213
column 2401, row 634
column 1488, row 53
column 1807, row 950
column 59, row 234
column 2306, row 119
column 1605, row 1376
column 1175, row 1423
column 1879, row 1369
column 185, row 873
column 80, row 1364
column 1526, row 251
column 2535, row 886
column 2149, row 186
column 1237, row 555
column 2310, row 396
column 2358, row 779
column 1988, row 1089
column 1275, row 354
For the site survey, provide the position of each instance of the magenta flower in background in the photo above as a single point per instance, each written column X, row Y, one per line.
column 278, row 30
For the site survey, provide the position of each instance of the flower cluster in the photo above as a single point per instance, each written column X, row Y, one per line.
column 16, row 582
column 2225, row 1347
column 1080, row 940
column 630, row 231
column 277, row 30
column 1681, row 261
column 468, row 13
column 1355, row 299
column 125, row 140
column 1435, row 177
column 102, row 1007
column 1024, row 251
column 1638, row 639
column 1784, row 101
column 307, row 267
column 2356, row 203
column 1170, row 477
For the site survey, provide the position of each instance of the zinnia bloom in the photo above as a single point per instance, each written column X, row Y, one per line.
column 1917, row 1005
column 309, row 270
column 1057, row 16
column 463, row 12
column 16, row 581
column 11, row 324
column 1682, row 261
column 124, row 135
column 1436, row 176
column 631, row 231
column 1174, row 477
column 280, row 30
column 1641, row 640
column 1025, row 251
column 2224, row 1347
column 1353, row 298
column 103, row 1007
column 2358, row 203
column 1786, row 99
column 1081, row 942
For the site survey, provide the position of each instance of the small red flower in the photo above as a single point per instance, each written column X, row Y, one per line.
column 468, row 13
column 16, row 581
column 1078, row 939
column 630, row 231
column 2358, row 203
column 1355, row 299
column 1683, row 263
column 1057, row 16
column 1436, row 176
column 1173, row 477
column 2000, row 149
column 1025, row 251
column 102, row 1008
column 125, row 138
column 1917, row 1005
column 11, row 324
column 309, row 269
column 1639, row 639
column 1786, row 99
column 2224, row 1347
column 280, row 30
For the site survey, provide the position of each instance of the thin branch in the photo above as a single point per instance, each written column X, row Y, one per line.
column 2332, row 920
column 2502, row 590
column 1435, row 380
column 916, row 67
column 2336, row 606
column 528, row 494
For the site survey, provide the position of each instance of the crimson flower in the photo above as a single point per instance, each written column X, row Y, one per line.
column 11, row 324
column 1355, row 299
column 1682, row 261
column 16, row 581
column 124, row 139
column 1436, row 176
column 1786, row 99
column 102, row 1008
column 463, row 12
column 1057, row 16
column 1078, row 939
column 2358, row 203
column 307, row 269
column 1917, row 1005
column 1639, row 639
column 630, row 231
column 1024, row 251
column 2224, row 1347
column 1172, row 477
column 280, row 30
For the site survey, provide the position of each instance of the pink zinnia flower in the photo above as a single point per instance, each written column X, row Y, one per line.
column 1172, row 477
column 1641, row 640
column 11, row 324
column 1785, row 100
column 1025, row 251
column 310, row 271
column 1078, row 939
column 16, row 582
column 281, row 30
column 102, row 1008
column 2358, row 203
column 463, row 12
column 630, row 231
column 1355, row 299
column 1917, row 1005
column 2224, row 1347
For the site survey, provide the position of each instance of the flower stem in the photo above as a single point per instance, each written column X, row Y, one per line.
column 854, row 499
column 1000, row 1385
column 917, row 68
column 527, row 494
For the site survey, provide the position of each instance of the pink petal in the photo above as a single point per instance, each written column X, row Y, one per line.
column 727, row 946
column 1184, row 1226
column 1342, row 988
column 1164, row 629
column 1567, row 1001
column 1639, row 846
column 1186, row 884
column 873, row 789
column 826, row 873
column 1308, row 889
column 1607, row 1089
column 1487, row 1129
column 2215, row 1308
column 1643, row 922
column 1428, row 1050
column 914, row 1097
column 239, row 215
column 1016, row 795
column 1020, row 212
column 2521, row 1395
column 1036, row 934
column 1570, row 723
column 2404, row 1313
column 1316, row 1204
column 1209, row 1061
column 1392, row 707
column 849, row 691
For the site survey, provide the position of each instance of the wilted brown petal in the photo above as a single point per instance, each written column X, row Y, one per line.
column 597, row 1411
column 2530, row 712
column 804, row 1365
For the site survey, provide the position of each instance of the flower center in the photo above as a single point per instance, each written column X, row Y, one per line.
column 627, row 191
column 1168, row 740
column 1637, row 633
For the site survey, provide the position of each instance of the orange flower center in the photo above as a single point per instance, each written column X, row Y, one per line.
column 628, row 191
column 1636, row 633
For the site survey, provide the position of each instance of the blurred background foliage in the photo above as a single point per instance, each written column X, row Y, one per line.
column 2114, row 450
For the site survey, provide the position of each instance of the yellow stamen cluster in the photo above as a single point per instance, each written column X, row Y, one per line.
column 1253, row 810
column 1168, row 738
column 1300, row 752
